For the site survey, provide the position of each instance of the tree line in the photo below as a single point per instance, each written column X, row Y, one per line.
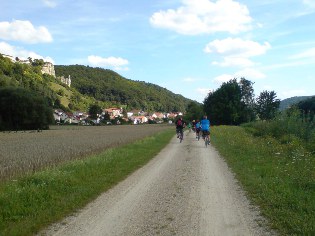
column 234, row 103
column 25, row 93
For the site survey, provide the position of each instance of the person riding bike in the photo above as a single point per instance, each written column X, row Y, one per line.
column 179, row 126
column 189, row 127
column 205, row 127
column 197, row 127
column 194, row 125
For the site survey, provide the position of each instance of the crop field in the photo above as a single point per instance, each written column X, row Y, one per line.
column 24, row 152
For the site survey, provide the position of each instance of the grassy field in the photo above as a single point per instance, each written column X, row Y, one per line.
column 30, row 203
column 279, row 177
column 30, row 151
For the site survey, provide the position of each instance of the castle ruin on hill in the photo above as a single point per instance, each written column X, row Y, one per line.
column 47, row 68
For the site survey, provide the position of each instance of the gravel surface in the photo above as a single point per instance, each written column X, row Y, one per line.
column 185, row 190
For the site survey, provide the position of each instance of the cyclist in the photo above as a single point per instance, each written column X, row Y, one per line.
column 194, row 125
column 205, row 127
column 189, row 127
column 197, row 127
column 179, row 126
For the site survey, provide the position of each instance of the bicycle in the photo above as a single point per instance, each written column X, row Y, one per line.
column 207, row 140
column 206, row 137
column 198, row 134
column 181, row 136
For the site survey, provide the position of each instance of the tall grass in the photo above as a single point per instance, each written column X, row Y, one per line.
column 276, row 169
column 288, row 127
column 33, row 202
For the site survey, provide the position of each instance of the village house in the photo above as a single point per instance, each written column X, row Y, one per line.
column 72, row 120
column 157, row 115
column 171, row 115
column 60, row 115
column 139, row 119
column 113, row 112
column 133, row 113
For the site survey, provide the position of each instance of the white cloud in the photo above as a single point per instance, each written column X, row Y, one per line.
column 292, row 93
column 204, row 16
column 309, row 3
column 223, row 78
column 190, row 80
column 50, row 3
column 234, row 61
column 24, row 31
column 236, row 51
column 203, row 91
column 236, row 47
column 308, row 54
column 117, row 63
column 250, row 74
column 21, row 53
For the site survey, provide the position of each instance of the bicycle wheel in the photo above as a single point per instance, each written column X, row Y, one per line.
column 207, row 140
column 181, row 137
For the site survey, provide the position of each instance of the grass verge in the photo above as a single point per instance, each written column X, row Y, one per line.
column 278, row 177
column 31, row 203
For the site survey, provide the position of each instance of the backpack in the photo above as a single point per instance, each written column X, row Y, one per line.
column 179, row 123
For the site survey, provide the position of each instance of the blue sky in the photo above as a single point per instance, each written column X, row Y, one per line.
column 187, row 46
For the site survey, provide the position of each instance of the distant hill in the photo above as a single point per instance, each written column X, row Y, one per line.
column 29, row 75
column 286, row 103
column 89, row 86
column 107, row 85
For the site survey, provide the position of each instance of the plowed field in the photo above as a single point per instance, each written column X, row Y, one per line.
column 23, row 152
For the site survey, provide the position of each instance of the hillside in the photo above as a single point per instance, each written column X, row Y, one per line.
column 107, row 85
column 89, row 86
column 286, row 103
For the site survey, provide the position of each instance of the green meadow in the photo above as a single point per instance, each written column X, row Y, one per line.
column 30, row 203
column 278, row 175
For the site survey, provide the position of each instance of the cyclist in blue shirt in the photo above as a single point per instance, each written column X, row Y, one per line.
column 205, row 127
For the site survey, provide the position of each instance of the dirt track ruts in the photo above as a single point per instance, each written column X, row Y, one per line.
column 185, row 190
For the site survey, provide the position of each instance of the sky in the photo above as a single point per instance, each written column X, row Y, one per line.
column 189, row 47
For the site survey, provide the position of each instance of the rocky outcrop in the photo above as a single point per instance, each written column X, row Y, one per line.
column 48, row 68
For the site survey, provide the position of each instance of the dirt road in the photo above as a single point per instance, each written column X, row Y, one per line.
column 186, row 190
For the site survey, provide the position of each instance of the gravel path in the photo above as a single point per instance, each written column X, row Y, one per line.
column 186, row 190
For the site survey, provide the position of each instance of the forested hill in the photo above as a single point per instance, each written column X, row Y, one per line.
column 107, row 85
column 286, row 103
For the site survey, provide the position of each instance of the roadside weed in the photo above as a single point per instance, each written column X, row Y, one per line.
column 279, row 177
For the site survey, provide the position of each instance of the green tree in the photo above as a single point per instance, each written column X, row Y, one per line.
column 21, row 109
column 232, row 103
column 307, row 107
column 95, row 110
column 248, row 98
column 194, row 111
column 37, row 62
column 224, row 106
column 267, row 105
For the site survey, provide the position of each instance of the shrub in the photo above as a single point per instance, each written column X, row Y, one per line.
column 290, row 126
column 23, row 109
